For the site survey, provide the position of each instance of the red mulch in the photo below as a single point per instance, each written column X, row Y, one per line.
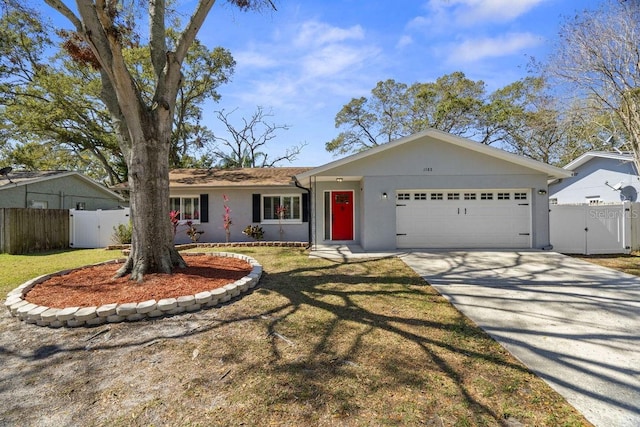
column 95, row 286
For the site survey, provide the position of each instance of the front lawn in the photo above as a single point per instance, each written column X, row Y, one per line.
column 364, row 343
column 626, row 263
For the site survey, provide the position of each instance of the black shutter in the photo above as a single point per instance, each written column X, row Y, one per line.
column 256, row 208
column 204, row 208
column 305, row 207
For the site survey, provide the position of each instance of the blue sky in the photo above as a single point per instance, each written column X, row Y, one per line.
column 308, row 59
column 311, row 57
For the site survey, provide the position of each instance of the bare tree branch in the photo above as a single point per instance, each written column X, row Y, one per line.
column 246, row 144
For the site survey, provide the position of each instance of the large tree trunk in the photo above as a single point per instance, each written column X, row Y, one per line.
column 152, row 246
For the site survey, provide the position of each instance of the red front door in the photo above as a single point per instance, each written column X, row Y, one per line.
column 342, row 215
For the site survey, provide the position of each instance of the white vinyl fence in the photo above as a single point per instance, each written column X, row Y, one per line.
column 591, row 230
column 95, row 229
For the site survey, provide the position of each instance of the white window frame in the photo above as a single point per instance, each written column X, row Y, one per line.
column 182, row 198
column 283, row 220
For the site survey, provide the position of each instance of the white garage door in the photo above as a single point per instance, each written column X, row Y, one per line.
column 463, row 219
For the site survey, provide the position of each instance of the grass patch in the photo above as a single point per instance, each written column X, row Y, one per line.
column 17, row 269
column 362, row 343
column 626, row 263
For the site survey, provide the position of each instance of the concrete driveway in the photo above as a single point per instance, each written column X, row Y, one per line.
column 575, row 324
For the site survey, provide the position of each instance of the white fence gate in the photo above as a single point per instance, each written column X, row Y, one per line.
column 95, row 229
column 590, row 230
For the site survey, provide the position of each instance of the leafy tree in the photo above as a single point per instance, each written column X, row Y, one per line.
column 204, row 71
column 528, row 120
column 60, row 104
column 143, row 125
column 597, row 58
column 244, row 145
column 453, row 103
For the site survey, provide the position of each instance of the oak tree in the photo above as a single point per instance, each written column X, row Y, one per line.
column 143, row 125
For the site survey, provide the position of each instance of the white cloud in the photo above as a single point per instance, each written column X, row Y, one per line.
column 472, row 50
column 309, row 61
column 419, row 22
column 404, row 42
column 333, row 60
column 313, row 33
column 496, row 10
column 254, row 59
column 473, row 12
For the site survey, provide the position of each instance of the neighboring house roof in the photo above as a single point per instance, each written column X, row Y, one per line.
column 243, row 177
column 20, row 178
column 551, row 171
column 574, row 164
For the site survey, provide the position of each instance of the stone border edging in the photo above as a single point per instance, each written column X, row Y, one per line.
column 257, row 243
column 114, row 313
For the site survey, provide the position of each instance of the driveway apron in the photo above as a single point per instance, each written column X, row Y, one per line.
column 573, row 323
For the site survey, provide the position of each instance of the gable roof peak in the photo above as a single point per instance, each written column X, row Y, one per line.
column 551, row 171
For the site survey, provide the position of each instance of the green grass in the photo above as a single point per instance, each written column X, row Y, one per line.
column 17, row 269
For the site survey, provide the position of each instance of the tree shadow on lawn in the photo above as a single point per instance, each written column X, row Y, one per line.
column 410, row 333
column 339, row 335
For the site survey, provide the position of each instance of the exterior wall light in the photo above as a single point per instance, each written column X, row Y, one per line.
column 384, row 196
column 542, row 191
column 338, row 179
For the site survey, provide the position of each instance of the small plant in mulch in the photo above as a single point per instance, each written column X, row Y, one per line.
column 226, row 218
column 281, row 211
column 122, row 234
column 254, row 231
column 174, row 217
column 193, row 233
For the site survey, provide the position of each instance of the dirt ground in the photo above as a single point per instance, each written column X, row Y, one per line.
column 64, row 377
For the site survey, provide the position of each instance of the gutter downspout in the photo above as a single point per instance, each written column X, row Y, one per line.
column 308, row 190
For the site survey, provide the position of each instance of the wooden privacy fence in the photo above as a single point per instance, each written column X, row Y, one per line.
column 24, row 231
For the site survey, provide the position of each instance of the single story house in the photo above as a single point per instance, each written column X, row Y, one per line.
column 428, row 190
column 55, row 190
column 252, row 196
column 598, row 178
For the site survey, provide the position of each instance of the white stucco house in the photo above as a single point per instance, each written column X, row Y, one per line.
column 598, row 178
column 432, row 190
column 428, row 190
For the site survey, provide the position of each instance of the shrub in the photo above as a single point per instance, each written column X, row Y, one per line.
column 122, row 234
column 254, row 231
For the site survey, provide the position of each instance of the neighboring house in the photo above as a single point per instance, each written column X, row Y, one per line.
column 428, row 190
column 598, row 178
column 55, row 190
column 253, row 196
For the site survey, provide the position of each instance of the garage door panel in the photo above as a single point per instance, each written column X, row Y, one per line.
column 437, row 222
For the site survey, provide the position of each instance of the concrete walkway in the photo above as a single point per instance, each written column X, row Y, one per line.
column 575, row 324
